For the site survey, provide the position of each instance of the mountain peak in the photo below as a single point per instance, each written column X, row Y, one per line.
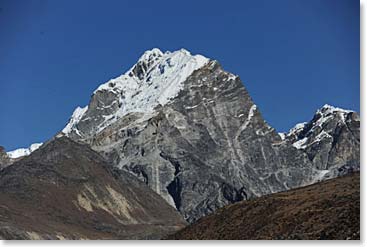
column 155, row 52
column 323, row 125
column 150, row 55
column 154, row 63
column 328, row 109
column 154, row 80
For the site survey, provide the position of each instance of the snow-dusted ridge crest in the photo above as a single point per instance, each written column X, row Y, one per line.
column 20, row 152
column 324, row 112
column 154, row 80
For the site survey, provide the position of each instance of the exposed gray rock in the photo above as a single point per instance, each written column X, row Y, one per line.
column 209, row 146
column 331, row 140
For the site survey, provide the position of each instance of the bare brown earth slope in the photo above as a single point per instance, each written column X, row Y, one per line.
column 327, row 210
column 64, row 190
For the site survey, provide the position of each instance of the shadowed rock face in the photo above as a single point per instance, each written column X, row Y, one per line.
column 326, row 210
column 66, row 190
column 209, row 146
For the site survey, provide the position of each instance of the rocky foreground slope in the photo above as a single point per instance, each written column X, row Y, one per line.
column 192, row 133
column 326, row 210
column 64, row 190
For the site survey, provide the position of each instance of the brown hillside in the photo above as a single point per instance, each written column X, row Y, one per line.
column 327, row 210
column 65, row 190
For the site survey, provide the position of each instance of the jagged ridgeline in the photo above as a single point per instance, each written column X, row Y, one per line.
column 192, row 133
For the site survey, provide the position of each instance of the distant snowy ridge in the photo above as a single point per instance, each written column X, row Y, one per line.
column 20, row 152
column 154, row 80
column 322, row 116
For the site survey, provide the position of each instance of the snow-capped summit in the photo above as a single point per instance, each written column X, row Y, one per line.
column 320, row 121
column 149, row 54
column 156, row 78
column 323, row 126
column 327, row 109
column 20, row 152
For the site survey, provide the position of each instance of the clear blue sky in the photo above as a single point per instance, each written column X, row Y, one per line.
column 292, row 55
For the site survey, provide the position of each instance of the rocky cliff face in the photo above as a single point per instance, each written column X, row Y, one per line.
column 191, row 132
column 64, row 190
column 331, row 141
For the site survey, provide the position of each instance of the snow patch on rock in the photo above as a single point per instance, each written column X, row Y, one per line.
column 297, row 128
column 20, row 152
column 75, row 118
column 300, row 144
column 282, row 135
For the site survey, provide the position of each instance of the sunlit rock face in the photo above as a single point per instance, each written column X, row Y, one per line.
column 191, row 132
column 331, row 140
